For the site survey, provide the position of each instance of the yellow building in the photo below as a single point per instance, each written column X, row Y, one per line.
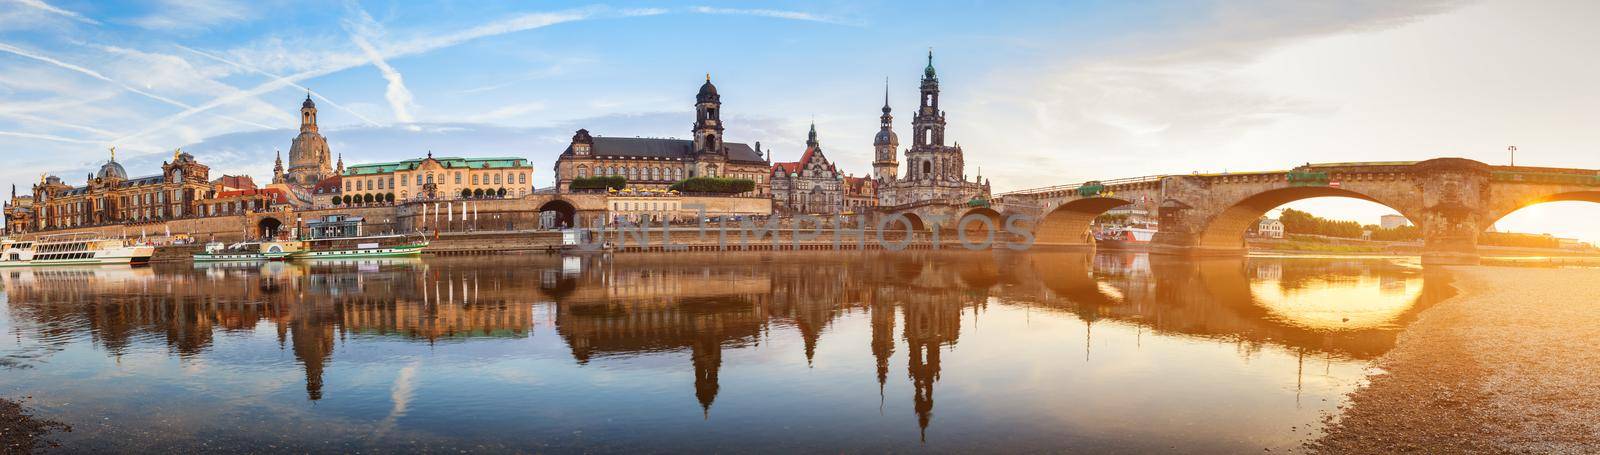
column 437, row 178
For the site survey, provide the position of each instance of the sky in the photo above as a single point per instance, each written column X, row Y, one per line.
column 1037, row 93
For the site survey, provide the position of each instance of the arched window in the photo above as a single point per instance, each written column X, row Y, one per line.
column 583, row 172
column 927, row 136
column 927, row 168
column 677, row 174
column 497, row 179
column 655, row 173
column 475, row 177
column 458, row 177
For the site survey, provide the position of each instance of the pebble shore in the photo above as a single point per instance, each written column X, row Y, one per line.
column 1508, row 365
column 20, row 432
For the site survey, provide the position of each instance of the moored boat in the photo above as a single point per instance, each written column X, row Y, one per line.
column 1135, row 237
column 72, row 249
column 248, row 251
column 342, row 237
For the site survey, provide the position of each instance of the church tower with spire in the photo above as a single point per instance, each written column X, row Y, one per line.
column 885, row 166
column 708, row 119
column 309, row 158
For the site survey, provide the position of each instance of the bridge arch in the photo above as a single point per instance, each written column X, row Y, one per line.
column 996, row 223
column 1225, row 230
column 268, row 227
column 1068, row 224
column 1506, row 208
column 557, row 213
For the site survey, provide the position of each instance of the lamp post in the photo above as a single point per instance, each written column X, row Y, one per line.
column 1513, row 150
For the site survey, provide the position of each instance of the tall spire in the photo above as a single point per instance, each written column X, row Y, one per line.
column 885, row 95
column 927, row 73
column 811, row 139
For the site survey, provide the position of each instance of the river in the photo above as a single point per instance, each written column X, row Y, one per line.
column 787, row 351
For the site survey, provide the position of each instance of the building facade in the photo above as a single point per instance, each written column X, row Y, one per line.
column 812, row 185
column 437, row 178
column 860, row 194
column 656, row 163
column 934, row 171
column 1273, row 229
column 19, row 213
column 111, row 197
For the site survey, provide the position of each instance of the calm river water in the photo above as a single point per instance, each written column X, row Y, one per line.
column 794, row 351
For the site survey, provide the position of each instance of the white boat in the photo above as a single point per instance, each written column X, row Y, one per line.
column 342, row 237
column 1134, row 237
column 72, row 249
column 248, row 251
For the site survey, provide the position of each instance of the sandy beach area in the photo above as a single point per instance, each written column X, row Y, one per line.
column 1508, row 365
column 20, row 432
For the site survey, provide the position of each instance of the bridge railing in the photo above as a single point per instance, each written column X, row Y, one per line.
column 1075, row 186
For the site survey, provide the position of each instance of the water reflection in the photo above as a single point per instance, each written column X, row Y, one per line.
column 613, row 313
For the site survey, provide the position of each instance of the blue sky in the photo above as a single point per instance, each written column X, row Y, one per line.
column 1038, row 93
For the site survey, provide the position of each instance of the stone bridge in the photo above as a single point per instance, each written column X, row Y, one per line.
column 1452, row 200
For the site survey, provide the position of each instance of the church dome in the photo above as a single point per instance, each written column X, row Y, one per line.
column 308, row 104
column 886, row 137
column 112, row 170
column 708, row 92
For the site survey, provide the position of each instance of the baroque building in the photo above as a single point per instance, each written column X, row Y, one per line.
column 658, row 163
column 310, row 161
column 111, row 197
column 812, row 185
column 438, row 178
column 935, row 172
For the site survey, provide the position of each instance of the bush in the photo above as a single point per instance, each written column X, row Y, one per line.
column 337, row 200
column 715, row 185
column 615, row 182
column 388, row 197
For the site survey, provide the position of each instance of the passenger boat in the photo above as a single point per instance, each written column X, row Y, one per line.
column 342, row 236
column 72, row 249
column 1133, row 237
column 248, row 251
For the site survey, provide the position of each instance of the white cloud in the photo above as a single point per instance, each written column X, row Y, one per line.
column 192, row 14
column 400, row 99
column 779, row 14
column 46, row 7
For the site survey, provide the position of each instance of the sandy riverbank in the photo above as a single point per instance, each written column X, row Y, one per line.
column 1508, row 365
column 20, row 432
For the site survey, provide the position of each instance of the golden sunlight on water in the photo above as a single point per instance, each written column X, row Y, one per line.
column 1354, row 300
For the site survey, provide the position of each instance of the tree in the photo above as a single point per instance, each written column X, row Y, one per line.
column 337, row 200
column 367, row 198
column 714, row 185
column 502, row 192
column 388, row 197
column 477, row 193
column 466, row 193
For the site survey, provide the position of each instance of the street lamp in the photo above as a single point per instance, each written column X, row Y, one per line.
column 1513, row 150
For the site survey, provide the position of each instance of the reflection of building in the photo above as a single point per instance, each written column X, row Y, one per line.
column 934, row 171
column 657, row 162
column 430, row 178
column 811, row 185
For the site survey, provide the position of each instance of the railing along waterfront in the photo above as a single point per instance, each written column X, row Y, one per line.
column 1076, row 186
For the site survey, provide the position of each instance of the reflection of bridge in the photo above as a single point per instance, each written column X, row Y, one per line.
column 1452, row 200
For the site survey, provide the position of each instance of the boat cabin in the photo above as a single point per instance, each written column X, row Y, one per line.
column 335, row 227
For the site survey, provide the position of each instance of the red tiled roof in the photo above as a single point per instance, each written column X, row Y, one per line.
column 277, row 195
column 328, row 185
column 789, row 168
column 236, row 181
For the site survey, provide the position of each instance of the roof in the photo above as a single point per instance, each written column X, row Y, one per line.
column 643, row 147
column 236, row 181
column 448, row 162
column 858, row 185
column 790, row 168
column 277, row 195
column 328, row 185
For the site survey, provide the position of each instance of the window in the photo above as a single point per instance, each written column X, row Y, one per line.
column 583, row 172
column 497, row 179
column 458, row 177
column 522, row 179
column 475, row 179
column 405, row 180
